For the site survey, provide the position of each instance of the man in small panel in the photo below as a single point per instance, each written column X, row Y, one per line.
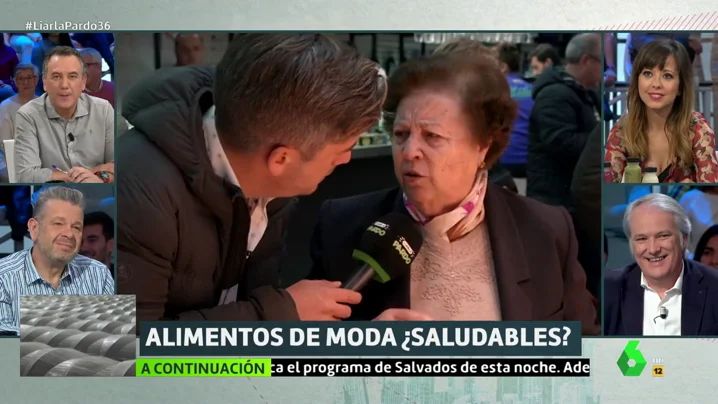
column 51, row 266
column 98, row 238
column 65, row 135
column 662, row 293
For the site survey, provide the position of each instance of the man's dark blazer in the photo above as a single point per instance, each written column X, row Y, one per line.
column 533, row 245
column 623, row 301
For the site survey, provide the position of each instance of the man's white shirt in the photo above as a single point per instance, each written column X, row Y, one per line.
column 672, row 301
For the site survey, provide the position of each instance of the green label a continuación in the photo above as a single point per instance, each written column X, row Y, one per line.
column 204, row 367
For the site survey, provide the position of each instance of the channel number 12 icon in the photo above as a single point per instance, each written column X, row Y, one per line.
column 657, row 370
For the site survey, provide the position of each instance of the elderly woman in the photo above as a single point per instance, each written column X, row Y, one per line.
column 488, row 254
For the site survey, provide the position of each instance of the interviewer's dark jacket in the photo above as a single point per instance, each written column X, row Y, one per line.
column 533, row 246
column 182, row 231
column 623, row 301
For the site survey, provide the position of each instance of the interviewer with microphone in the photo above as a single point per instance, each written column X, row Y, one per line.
column 487, row 253
column 662, row 292
column 211, row 168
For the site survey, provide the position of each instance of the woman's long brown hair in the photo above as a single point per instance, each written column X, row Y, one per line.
column 678, row 124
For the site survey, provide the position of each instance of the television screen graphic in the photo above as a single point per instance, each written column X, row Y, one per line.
column 77, row 336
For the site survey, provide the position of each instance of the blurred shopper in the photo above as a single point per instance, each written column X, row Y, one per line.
column 609, row 58
column 542, row 57
column 189, row 50
column 566, row 110
column 515, row 156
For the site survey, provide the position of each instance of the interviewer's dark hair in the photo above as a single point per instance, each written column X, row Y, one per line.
column 478, row 83
column 463, row 46
column 299, row 90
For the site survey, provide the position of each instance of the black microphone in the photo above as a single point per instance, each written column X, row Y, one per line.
column 71, row 137
column 386, row 250
column 662, row 313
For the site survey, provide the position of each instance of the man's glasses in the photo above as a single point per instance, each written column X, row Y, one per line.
column 25, row 79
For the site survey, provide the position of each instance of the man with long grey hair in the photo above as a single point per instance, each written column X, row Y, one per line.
column 52, row 265
column 662, row 292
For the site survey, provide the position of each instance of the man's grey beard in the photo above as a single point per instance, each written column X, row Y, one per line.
column 57, row 259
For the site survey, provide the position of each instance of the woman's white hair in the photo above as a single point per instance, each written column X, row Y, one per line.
column 661, row 202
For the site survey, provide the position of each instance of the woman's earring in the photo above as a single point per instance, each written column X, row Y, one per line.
column 482, row 165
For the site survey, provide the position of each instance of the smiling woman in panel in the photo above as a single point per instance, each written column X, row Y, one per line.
column 661, row 128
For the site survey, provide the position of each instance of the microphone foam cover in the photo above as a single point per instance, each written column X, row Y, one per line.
column 389, row 246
